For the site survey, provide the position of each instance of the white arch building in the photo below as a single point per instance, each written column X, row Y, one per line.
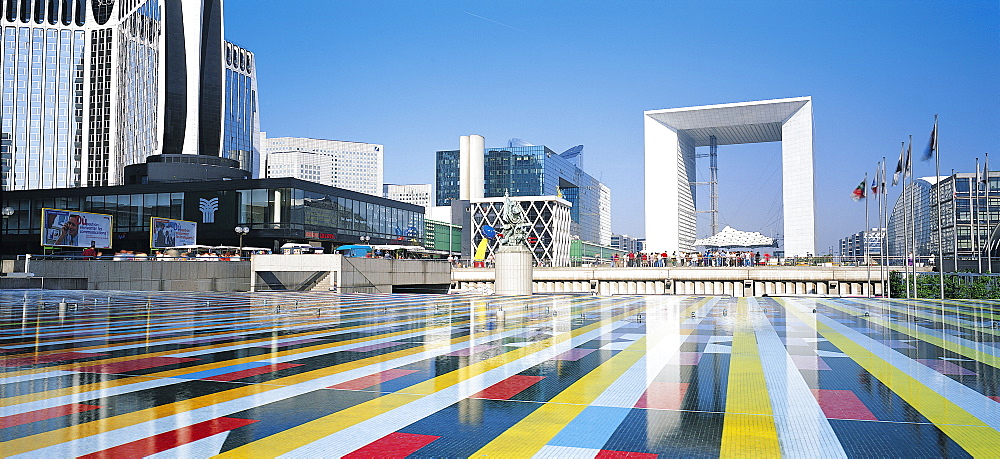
column 671, row 138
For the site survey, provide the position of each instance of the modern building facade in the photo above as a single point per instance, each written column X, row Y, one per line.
column 549, row 237
column 241, row 131
column 853, row 248
column 353, row 166
column 626, row 243
column 91, row 87
column 522, row 170
column 442, row 238
column 277, row 211
column 671, row 137
column 419, row 194
column 911, row 222
column 970, row 216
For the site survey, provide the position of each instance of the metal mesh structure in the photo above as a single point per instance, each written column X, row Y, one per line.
column 549, row 235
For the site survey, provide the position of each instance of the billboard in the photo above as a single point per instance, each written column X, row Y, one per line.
column 72, row 228
column 167, row 232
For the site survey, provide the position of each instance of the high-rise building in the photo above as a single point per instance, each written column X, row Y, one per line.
column 241, row 129
column 91, row 87
column 419, row 194
column 523, row 169
column 353, row 166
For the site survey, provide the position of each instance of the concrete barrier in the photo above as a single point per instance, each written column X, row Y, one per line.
column 770, row 280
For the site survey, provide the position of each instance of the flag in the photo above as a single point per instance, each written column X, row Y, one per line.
column 932, row 144
column 899, row 165
column 909, row 157
column 859, row 192
column 875, row 181
column 986, row 171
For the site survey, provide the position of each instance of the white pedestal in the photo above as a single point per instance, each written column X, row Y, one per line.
column 513, row 271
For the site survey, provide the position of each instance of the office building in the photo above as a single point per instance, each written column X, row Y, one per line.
column 419, row 194
column 853, row 248
column 522, row 169
column 91, row 87
column 970, row 217
column 353, row 166
column 911, row 222
column 241, row 131
column 626, row 243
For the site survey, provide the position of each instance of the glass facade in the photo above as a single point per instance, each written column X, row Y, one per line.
column 41, row 110
column 137, row 87
column 900, row 236
column 280, row 210
column 533, row 170
column 241, row 126
column 970, row 213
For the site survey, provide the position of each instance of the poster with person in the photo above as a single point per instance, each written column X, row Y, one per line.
column 71, row 228
column 167, row 232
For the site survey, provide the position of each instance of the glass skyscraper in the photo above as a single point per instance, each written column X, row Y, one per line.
column 241, row 133
column 535, row 170
column 90, row 87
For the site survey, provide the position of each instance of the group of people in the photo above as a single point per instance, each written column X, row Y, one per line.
column 718, row 257
column 175, row 255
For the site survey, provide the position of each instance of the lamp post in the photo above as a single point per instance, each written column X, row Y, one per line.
column 7, row 212
column 365, row 239
column 242, row 231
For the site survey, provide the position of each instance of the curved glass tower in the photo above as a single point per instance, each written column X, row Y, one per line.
column 91, row 86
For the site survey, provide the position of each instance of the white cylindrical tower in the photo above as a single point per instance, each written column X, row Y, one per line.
column 463, row 168
column 477, row 168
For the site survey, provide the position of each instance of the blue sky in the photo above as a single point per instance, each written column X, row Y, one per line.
column 415, row 76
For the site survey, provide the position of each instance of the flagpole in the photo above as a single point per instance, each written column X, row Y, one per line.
column 954, row 216
column 937, row 180
column 986, row 179
column 975, row 220
column 906, row 232
column 884, row 227
column 864, row 240
column 913, row 217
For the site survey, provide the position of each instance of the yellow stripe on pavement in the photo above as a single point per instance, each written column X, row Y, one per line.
column 748, row 429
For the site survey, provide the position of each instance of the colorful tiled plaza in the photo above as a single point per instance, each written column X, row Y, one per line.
column 134, row 374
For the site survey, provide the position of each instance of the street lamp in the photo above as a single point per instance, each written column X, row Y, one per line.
column 365, row 239
column 7, row 212
column 242, row 231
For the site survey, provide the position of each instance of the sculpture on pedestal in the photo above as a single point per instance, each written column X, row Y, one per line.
column 515, row 223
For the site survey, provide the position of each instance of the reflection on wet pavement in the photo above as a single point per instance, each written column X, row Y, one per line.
column 132, row 374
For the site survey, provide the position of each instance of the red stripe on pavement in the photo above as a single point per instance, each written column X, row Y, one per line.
column 168, row 440
column 46, row 358
column 41, row 415
column 371, row 380
column 251, row 372
column 507, row 388
column 842, row 404
column 663, row 396
column 609, row 454
column 132, row 365
column 995, row 398
column 394, row 445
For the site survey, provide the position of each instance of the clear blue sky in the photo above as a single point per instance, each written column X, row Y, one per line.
column 414, row 76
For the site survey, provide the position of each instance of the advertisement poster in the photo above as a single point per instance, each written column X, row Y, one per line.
column 71, row 228
column 167, row 232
